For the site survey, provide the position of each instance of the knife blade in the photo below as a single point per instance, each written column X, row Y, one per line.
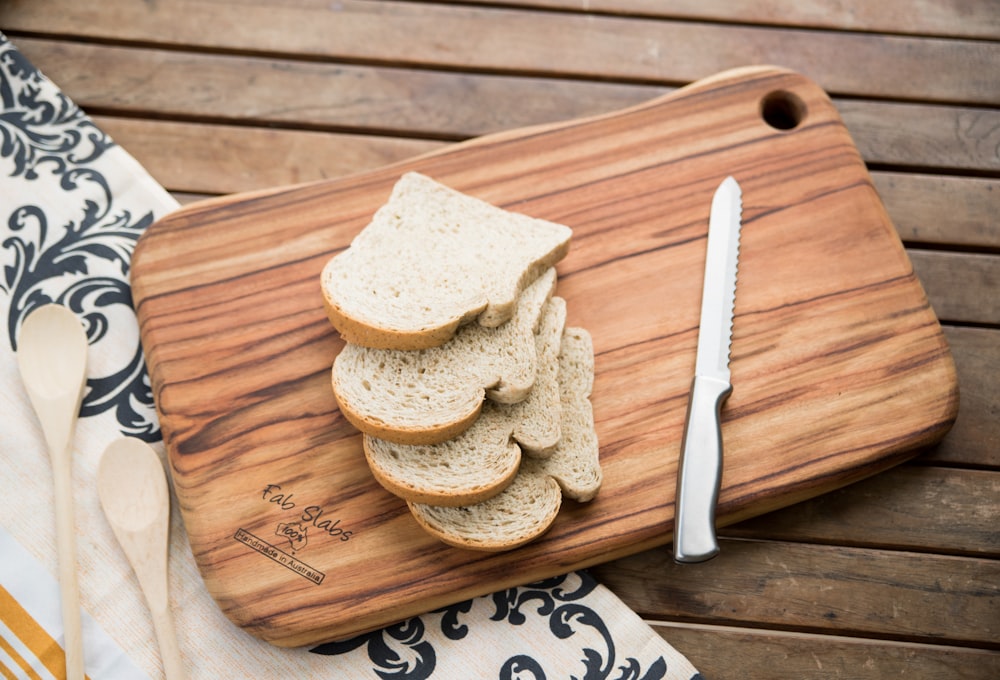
column 700, row 467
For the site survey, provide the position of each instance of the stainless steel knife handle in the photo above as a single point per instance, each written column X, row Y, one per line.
column 700, row 472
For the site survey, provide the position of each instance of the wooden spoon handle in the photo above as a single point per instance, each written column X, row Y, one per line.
column 170, row 653
column 146, row 550
column 69, row 589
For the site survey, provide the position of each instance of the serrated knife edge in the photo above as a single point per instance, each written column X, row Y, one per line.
column 721, row 271
column 699, row 472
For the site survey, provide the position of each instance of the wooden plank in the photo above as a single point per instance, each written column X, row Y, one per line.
column 961, row 18
column 943, row 137
column 220, row 159
column 962, row 287
column 730, row 653
column 975, row 437
column 446, row 105
column 822, row 589
column 312, row 95
column 941, row 209
column 543, row 43
column 927, row 509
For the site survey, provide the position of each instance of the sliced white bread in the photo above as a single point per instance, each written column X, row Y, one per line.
column 431, row 395
column 431, row 260
column 537, row 425
column 483, row 460
column 526, row 508
column 575, row 463
column 521, row 513
column 474, row 466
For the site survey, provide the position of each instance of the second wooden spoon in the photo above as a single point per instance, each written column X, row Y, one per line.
column 132, row 486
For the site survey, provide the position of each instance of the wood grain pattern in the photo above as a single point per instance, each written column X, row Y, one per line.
column 977, row 272
column 540, row 43
column 894, row 594
column 229, row 159
column 330, row 96
column 971, row 18
column 753, row 654
column 840, row 366
column 216, row 159
column 911, row 507
column 449, row 105
column 975, row 438
column 923, row 208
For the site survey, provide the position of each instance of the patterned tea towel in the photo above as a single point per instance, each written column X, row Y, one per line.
column 72, row 205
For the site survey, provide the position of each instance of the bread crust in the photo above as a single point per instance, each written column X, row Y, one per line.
column 376, row 388
column 410, row 492
column 360, row 333
column 424, row 516
column 523, row 511
column 409, row 238
column 406, row 435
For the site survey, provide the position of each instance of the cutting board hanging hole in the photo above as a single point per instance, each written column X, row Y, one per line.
column 782, row 110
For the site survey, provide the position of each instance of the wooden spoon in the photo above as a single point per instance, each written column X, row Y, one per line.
column 132, row 486
column 52, row 359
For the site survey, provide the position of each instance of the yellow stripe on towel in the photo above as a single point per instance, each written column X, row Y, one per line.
column 35, row 638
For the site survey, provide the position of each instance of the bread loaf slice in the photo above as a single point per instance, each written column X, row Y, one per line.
column 537, row 425
column 526, row 509
column 430, row 395
column 575, row 463
column 432, row 259
column 483, row 460
column 477, row 464
column 519, row 514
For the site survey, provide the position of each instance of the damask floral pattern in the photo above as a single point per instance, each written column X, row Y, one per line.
column 75, row 250
column 409, row 650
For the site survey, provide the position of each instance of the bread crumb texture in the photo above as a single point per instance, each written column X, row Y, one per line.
column 483, row 460
column 527, row 507
column 431, row 260
column 425, row 396
column 472, row 393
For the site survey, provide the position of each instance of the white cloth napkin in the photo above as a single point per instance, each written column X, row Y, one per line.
column 72, row 206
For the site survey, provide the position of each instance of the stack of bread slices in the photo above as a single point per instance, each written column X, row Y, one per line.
column 459, row 370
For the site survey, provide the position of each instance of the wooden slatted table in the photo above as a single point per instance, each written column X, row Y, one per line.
column 894, row 576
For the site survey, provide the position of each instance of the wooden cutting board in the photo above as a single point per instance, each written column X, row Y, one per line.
column 839, row 366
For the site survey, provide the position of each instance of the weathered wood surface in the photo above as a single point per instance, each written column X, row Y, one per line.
column 731, row 652
column 975, row 439
column 964, row 18
column 903, row 509
column 831, row 368
column 795, row 586
column 932, row 160
column 449, row 105
column 570, row 44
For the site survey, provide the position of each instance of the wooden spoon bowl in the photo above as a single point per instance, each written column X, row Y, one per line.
column 132, row 486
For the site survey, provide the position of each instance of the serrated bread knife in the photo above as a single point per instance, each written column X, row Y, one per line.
column 700, row 469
